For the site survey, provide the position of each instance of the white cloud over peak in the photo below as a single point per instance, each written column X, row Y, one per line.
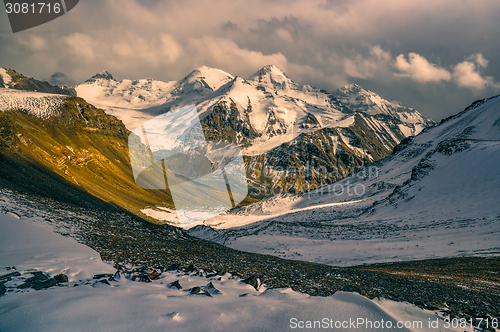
column 380, row 64
column 467, row 74
column 418, row 68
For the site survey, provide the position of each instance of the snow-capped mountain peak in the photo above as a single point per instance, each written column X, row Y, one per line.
column 206, row 77
column 273, row 77
column 353, row 96
column 274, row 122
column 102, row 75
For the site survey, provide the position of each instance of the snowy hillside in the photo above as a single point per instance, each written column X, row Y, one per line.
column 42, row 105
column 173, row 301
column 436, row 196
column 5, row 78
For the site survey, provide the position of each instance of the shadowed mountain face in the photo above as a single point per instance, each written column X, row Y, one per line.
column 60, row 79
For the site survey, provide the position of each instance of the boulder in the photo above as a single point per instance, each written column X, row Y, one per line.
column 154, row 275
column 198, row 291
column 174, row 284
column 141, row 276
column 195, row 290
column 45, row 284
column 253, row 281
column 60, row 278
column 8, row 276
column 210, row 288
column 3, row 289
column 173, row 267
column 190, row 269
column 37, row 279
column 352, row 288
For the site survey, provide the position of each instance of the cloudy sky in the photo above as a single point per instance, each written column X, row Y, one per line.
column 437, row 56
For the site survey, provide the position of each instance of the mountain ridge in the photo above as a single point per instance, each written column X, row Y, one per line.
column 14, row 80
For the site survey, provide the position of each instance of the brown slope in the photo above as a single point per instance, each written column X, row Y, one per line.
column 80, row 147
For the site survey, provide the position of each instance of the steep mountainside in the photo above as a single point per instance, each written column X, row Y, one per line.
column 49, row 143
column 435, row 196
column 294, row 138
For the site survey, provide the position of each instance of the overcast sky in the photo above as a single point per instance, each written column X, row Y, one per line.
column 436, row 56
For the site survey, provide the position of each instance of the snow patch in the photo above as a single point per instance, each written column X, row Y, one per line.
column 5, row 77
column 161, row 213
column 28, row 245
column 42, row 105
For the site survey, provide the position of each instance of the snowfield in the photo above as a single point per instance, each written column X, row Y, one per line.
column 42, row 105
column 86, row 304
column 27, row 245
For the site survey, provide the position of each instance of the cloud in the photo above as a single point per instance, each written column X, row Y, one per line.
column 379, row 53
column 324, row 43
column 367, row 66
column 226, row 54
column 418, row 68
column 34, row 43
column 467, row 74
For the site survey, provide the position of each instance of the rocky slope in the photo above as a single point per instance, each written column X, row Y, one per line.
column 10, row 79
column 458, row 288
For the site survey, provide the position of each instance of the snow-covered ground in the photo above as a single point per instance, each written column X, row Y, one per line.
column 27, row 245
column 436, row 198
column 42, row 105
column 85, row 304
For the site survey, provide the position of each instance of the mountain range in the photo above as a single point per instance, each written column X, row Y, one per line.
column 278, row 124
column 293, row 138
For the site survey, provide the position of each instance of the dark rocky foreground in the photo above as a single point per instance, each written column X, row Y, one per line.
column 467, row 287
